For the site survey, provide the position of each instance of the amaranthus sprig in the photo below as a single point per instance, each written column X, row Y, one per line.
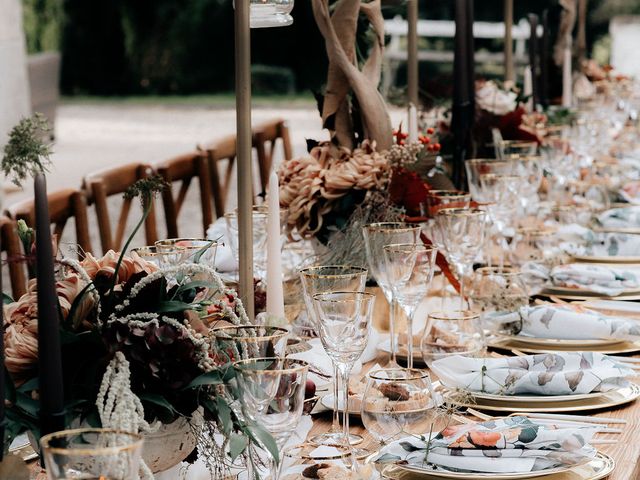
column 27, row 153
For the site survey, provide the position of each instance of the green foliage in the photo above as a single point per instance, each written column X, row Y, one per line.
column 270, row 80
column 42, row 20
column 26, row 153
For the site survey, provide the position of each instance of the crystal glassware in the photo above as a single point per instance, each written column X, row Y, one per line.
column 409, row 269
column 331, row 278
column 439, row 199
column 376, row 236
column 452, row 333
column 175, row 251
column 231, row 343
column 398, row 402
column 499, row 294
column 476, row 167
column 148, row 253
column 463, row 233
column 259, row 221
column 272, row 395
column 92, row 453
column 344, row 322
column 506, row 148
column 535, row 244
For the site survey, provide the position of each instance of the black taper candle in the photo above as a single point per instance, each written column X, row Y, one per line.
column 49, row 353
column 3, row 419
column 533, row 59
column 545, row 49
column 463, row 87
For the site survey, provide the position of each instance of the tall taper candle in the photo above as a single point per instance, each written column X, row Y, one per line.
column 567, row 76
column 533, row 58
column 49, row 353
column 412, row 123
column 275, row 294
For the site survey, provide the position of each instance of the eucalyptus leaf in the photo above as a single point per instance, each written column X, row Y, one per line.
column 157, row 400
column 209, row 378
column 224, row 415
column 265, row 439
column 237, row 444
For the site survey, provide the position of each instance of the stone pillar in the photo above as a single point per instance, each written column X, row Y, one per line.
column 14, row 82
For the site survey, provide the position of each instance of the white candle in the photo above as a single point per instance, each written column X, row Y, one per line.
column 275, row 295
column 413, row 123
column 567, row 80
column 528, row 87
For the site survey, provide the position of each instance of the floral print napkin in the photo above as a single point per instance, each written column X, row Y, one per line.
column 625, row 217
column 505, row 445
column 562, row 373
column 583, row 241
column 565, row 322
column 595, row 278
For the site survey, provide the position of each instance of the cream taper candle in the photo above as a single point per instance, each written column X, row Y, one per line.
column 567, row 78
column 412, row 124
column 275, row 294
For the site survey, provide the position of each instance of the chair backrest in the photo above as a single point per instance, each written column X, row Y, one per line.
column 265, row 137
column 15, row 257
column 111, row 182
column 183, row 170
column 63, row 205
column 223, row 149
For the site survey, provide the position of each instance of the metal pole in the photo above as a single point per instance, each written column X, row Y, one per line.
column 243, row 139
column 509, row 74
column 412, row 52
column 581, row 35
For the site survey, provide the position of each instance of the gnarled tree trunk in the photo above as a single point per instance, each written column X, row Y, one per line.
column 344, row 76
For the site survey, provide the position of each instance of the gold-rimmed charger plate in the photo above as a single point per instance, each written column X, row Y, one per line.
column 610, row 399
column 617, row 260
column 511, row 343
column 635, row 230
column 562, row 343
column 402, row 354
column 598, row 468
column 538, row 398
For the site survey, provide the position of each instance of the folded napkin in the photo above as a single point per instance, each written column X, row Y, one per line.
column 596, row 278
column 625, row 217
column 562, row 373
column 583, row 241
column 566, row 323
column 225, row 260
column 506, row 445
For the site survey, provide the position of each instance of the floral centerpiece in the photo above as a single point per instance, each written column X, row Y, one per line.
column 135, row 350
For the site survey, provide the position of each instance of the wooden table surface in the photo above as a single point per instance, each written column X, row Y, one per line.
column 626, row 452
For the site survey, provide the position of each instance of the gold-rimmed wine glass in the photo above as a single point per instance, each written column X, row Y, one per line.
column 376, row 236
column 331, row 278
column 409, row 269
column 97, row 453
column 175, row 251
column 234, row 342
column 463, row 233
column 259, row 216
column 439, row 199
column 344, row 323
column 148, row 253
column 272, row 392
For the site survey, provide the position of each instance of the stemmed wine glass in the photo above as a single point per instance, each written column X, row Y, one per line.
column 331, row 278
column 376, row 236
column 344, row 322
column 463, row 232
column 410, row 269
column 272, row 395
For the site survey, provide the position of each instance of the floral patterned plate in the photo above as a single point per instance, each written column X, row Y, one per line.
column 609, row 399
column 598, row 468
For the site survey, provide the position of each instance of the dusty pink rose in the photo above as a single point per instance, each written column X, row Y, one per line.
column 21, row 325
column 106, row 266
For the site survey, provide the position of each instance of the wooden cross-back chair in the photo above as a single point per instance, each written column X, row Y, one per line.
column 63, row 205
column 102, row 185
column 265, row 138
column 185, row 169
column 13, row 247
